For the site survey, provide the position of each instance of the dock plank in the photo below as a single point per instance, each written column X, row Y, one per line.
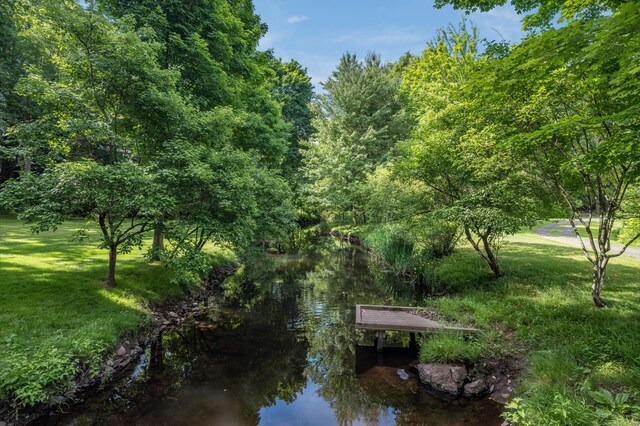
column 400, row 318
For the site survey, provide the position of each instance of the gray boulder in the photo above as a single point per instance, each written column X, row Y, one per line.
column 475, row 388
column 443, row 377
column 122, row 351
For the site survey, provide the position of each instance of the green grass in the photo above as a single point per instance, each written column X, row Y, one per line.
column 54, row 313
column 542, row 309
column 448, row 348
column 391, row 248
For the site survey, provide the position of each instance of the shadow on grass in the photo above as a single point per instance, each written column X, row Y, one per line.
column 544, row 301
column 553, row 265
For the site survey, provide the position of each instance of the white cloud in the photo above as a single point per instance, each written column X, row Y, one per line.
column 296, row 19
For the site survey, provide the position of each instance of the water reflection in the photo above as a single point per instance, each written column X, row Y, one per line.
column 280, row 347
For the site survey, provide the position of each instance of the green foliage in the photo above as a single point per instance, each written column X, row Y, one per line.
column 540, row 309
column 563, row 410
column 10, row 70
column 448, row 348
column 390, row 199
column 42, row 374
column 101, row 96
column 31, row 379
column 571, row 118
column 473, row 178
column 275, row 212
column 293, row 89
column 359, row 120
column 136, row 116
column 436, row 238
column 122, row 199
column 212, row 194
column 159, row 117
column 613, row 404
column 393, row 248
column 541, row 13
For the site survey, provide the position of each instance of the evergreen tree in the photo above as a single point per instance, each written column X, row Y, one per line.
column 359, row 121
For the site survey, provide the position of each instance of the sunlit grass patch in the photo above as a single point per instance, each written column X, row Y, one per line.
column 54, row 311
column 574, row 348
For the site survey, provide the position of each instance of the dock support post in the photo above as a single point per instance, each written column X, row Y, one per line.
column 379, row 340
column 412, row 340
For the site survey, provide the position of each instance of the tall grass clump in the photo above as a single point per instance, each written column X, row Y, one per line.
column 449, row 348
column 392, row 247
column 412, row 250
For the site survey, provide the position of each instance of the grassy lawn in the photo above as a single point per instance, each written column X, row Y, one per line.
column 542, row 309
column 54, row 314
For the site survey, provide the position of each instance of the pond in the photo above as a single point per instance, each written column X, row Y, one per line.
column 279, row 347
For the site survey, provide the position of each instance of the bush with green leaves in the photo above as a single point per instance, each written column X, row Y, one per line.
column 37, row 375
column 438, row 238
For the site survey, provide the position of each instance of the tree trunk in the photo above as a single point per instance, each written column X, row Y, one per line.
column 485, row 252
column 599, row 273
column 111, row 280
column 158, row 243
column 491, row 258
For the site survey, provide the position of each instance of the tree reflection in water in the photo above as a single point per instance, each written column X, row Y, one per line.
column 280, row 345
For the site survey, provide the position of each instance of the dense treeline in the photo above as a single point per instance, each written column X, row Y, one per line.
column 477, row 141
column 148, row 116
column 161, row 120
column 163, row 117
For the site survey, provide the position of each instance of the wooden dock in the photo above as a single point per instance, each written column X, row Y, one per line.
column 399, row 318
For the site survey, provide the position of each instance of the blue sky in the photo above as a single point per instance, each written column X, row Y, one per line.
column 317, row 33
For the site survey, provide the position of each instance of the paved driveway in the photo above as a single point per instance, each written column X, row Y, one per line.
column 566, row 235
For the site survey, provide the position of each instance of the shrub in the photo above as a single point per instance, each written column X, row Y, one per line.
column 32, row 377
column 439, row 239
column 558, row 408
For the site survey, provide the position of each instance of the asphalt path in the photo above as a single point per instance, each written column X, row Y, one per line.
column 565, row 235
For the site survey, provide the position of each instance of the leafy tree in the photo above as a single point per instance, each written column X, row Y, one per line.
column 97, row 92
column 275, row 214
column 458, row 154
column 13, row 109
column 360, row 119
column 122, row 199
column 212, row 200
column 293, row 89
column 213, row 44
column 391, row 199
column 541, row 13
column 103, row 101
column 570, row 100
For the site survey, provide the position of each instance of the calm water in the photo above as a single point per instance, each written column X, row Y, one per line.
column 280, row 348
